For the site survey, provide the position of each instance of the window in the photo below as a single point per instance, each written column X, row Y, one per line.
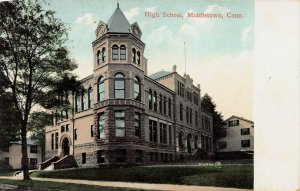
column 75, row 134
column 103, row 55
column 101, row 89
column 120, row 123
column 138, row 156
column 120, row 155
column 181, row 112
column 83, row 158
column 123, row 52
column 101, row 125
column 98, row 57
column 34, row 148
column 119, row 85
column 138, row 57
column 163, row 133
column 245, row 131
column 67, row 114
column 155, row 101
column 77, row 103
column 160, row 103
column 165, row 105
column 152, row 131
column 6, row 160
column 83, row 103
column 134, row 55
column 115, row 52
column 191, row 116
column 52, row 141
column 233, row 123
column 92, row 130
column 245, row 143
column 196, row 142
column 100, row 156
column 150, row 99
column 181, row 140
column 137, row 124
column 67, row 127
column 56, row 140
column 222, row 145
column 180, row 88
column 196, row 118
column 137, row 89
column 170, row 108
column 33, row 161
column 187, row 114
column 90, row 98
column 170, row 135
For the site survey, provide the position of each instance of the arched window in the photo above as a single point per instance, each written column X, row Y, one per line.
column 133, row 55
column 119, row 85
column 83, row 100
column 90, row 97
column 77, row 103
column 103, row 55
column 115, row 52
column 137, row 89
column 196, row 142
column 150, row 99
column 191, row 116
column 170, row 107
column 98, row 57
column 138, row 57
column 155, row 101
column 165, row 105
column 101, row 89
column 123, row 52
column 187, row 114
column 180, row 112
column 160, row 103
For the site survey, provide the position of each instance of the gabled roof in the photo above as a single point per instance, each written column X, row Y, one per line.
column 159, row 74
column 118, row 23
column 241, row 118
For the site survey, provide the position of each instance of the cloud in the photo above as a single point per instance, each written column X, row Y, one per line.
column 87, row 19
column 151, row 9
column 162, row 36
column 131, row 13
column 248, row 37
column 188, row 30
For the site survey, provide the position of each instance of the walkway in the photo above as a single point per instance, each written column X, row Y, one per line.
column 168, row 187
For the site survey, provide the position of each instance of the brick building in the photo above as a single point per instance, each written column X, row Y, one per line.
column 126, row 116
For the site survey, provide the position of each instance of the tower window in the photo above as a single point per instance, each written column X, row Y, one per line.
column 98, row 57
column 119, row 85
column 138, row 57
column 115, row 52
column 101, row 89
column 120, row 123
column 137, row 89
column 133, row 55
column 103, row 55
column 101, row 122
column 123, row 52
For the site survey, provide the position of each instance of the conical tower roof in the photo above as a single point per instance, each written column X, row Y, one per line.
column 118, row 23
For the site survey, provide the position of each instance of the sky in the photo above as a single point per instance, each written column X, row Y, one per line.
column 218, row 51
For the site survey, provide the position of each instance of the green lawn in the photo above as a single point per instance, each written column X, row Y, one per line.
column 41, row 185
column 234, row 176
column 10, row 173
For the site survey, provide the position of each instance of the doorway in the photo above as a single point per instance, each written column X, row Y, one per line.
column 65, row 147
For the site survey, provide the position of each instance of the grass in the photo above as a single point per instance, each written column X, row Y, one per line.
column 41, row 185
column 234, row 176
column 9, row 173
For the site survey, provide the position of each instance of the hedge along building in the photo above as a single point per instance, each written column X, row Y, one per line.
column 126, row 116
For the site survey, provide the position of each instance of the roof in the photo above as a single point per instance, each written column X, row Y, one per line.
column 118, row 23
column 29, row 142
column 159, row 74
column 234, row 116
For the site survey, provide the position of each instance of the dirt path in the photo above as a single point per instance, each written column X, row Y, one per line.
column 168, row 187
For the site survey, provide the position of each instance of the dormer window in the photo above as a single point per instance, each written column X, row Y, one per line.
column 123, row 52
column 115, row 52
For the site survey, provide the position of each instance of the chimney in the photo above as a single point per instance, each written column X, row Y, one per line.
column 198, row 86
column 174, row 68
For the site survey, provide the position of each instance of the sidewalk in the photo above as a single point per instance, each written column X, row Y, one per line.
column 168, row 187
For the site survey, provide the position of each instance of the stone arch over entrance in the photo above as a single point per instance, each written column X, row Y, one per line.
column 65, row 143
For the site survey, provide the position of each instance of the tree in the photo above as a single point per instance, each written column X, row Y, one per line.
column 208, row 105
column 34, row 61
